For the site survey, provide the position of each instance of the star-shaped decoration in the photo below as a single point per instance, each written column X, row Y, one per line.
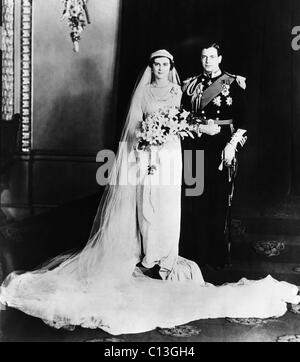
column 217, row 101
column 229, row 101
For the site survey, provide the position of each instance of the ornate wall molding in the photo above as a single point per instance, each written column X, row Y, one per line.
column 26, row 73
column 10, row 39
column 7, row 59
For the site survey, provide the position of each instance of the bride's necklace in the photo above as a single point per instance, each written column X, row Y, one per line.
column 160, row 92
column 155, row 85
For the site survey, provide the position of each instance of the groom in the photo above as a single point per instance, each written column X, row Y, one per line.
column 216, row 98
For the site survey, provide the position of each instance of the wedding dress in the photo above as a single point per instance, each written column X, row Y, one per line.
column 159, row 196
column 101, row 287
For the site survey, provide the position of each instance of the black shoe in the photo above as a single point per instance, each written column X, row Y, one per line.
column 151, row 272
column 155, row 272
column 140, row 265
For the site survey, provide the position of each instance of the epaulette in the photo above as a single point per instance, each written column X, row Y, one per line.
column 241, row 81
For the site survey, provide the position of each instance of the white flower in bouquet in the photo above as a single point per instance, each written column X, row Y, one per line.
column 158, row 128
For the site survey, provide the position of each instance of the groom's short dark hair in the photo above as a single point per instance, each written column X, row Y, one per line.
column 212, row 45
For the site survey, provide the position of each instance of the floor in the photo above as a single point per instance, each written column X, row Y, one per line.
column 18, row 327
column 47, row 235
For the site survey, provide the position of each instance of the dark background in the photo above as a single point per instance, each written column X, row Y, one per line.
column 256, row 39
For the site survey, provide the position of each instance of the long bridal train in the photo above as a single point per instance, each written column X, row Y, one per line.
column 139, row 303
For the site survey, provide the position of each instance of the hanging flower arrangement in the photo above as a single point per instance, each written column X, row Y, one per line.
column 76, row 13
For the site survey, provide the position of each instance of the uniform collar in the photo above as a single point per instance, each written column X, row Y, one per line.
column 213, row 74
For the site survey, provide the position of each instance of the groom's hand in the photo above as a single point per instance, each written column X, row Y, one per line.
column 210, row 128
column 228, row 154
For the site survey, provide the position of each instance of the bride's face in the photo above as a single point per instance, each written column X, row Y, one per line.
column 161, row 67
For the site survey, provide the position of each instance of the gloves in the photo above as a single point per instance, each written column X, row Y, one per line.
column 210, row 128
column 228, row 153
column 238, row 138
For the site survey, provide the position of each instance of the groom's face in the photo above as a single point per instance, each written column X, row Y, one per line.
column 210, row 59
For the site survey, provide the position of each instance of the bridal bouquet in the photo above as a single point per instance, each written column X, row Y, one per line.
column 160, row 127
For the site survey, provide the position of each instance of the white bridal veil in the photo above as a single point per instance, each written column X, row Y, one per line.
column 113, row 248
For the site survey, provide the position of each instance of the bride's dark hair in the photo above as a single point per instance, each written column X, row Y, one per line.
column 151, row 62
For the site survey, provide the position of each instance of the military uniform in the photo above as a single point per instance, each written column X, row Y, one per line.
column 204, row 217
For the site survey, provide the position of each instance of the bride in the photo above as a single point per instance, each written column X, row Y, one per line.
column 129, row 277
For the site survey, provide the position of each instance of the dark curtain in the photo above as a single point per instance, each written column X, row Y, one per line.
column 256, row 40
